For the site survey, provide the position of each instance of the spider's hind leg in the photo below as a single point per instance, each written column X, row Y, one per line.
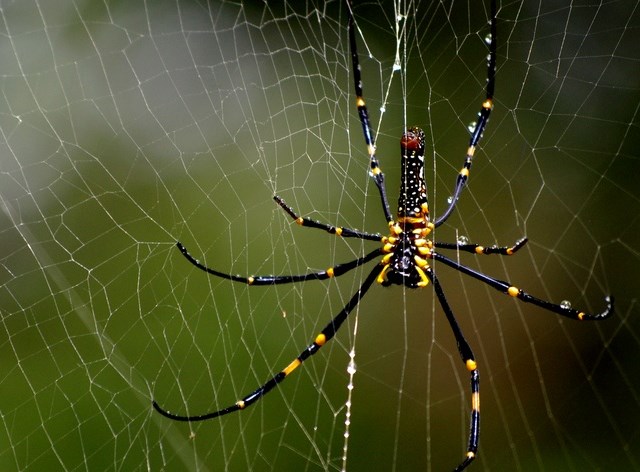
column 466, row 354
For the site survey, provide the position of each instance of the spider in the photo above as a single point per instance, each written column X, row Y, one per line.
column 404, row 254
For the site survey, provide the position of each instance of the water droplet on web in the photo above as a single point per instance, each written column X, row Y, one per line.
column 487, row 38
column 397, row 67
column 566, row 304
column 471, row 126
column 463, row 240
column 449, row 199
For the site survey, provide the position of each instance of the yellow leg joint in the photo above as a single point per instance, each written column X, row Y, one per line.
column 464, row 172
column 471, row 365
column 487, row 104
column 471, row 455
column 250, row 280
column 513, row 291
column 330, row 272
column 339, row 231
column 359, row 101
column 479, row 249
column 240, row 404
column 300, row 220
column 320, row 339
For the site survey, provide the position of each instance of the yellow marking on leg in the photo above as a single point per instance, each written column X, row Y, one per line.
column 581, row 316
column 300, row 220
column 420, row 261
column 339, row 231
column 425, row 280
column 470, row 151
column 240, row 404
column 388, row 247
column 475, row 401
column 471, row 455
column 395, row 228
column 487, row 104
column 479, row 249
column 250, row 280
column 513, row 291
column 471, row 365
column 464, row 172
column 372, row 150
column 382, row 276
column 509, row 251
column 387, row 258
column 320, row 339
column 291, row 367
column 330, row 272
column 360, row 102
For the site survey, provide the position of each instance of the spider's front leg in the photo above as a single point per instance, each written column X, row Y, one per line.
column 481, row 123
column 334, row 271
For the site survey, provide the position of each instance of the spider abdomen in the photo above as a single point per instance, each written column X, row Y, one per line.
column 413, row 189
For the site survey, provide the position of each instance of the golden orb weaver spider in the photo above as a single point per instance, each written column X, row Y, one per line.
column 405, row 252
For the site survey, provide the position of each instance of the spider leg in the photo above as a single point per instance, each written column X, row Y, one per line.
column 337, row 230
column 334, row 271
column 508, row 289
column 483, row 118
column 467, row 357
column 479, row 249
column 320, row 340
column 363, row 114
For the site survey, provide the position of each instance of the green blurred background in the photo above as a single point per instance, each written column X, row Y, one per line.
column 126, row 126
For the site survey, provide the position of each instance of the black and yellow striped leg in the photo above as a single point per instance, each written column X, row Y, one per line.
column 483, row 118
column 479, row 249
column 467, row 357
column 508, row 289
column 337, row 230
column 320, row 340
column 363, row 114
column 334, row 271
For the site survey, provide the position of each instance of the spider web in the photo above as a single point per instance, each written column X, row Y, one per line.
column 126, row 126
